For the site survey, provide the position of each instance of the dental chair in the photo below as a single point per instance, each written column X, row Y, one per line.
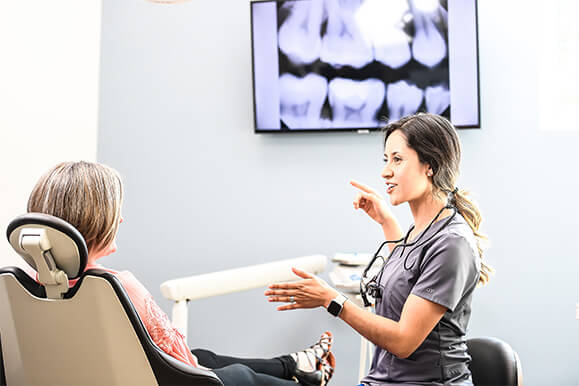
column 89, row 334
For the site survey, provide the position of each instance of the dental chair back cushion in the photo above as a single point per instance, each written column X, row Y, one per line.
column 92, row 337
column 85, row 340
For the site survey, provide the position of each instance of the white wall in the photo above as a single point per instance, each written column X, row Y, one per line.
column 48, row 95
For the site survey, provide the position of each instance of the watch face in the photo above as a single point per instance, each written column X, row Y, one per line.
column 334, row 308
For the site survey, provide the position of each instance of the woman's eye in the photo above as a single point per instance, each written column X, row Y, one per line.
column 397, row 159
column 385, row 160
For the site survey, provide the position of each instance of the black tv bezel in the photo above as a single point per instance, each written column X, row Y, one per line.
column 349, row 129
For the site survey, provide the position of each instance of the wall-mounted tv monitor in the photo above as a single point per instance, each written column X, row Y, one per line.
column 334, row 65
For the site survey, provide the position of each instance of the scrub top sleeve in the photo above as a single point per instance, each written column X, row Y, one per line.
column 447, row 271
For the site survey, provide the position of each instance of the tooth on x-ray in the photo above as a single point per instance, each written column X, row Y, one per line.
column 355, row 103
column 403, row 99
column 437, row 99
column 380, row 22
column 426, row 5
column 428, row 45
column 396, row 52
column 299, row 35
column 343, row 43
column 301, row 100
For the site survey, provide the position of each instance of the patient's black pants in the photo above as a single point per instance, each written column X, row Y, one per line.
column 248, row 372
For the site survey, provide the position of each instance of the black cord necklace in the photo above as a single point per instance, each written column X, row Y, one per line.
column 423, row 233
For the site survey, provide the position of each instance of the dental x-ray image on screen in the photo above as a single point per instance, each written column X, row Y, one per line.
column 357, row 64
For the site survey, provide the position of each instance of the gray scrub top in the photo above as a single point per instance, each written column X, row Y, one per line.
column 444, row 267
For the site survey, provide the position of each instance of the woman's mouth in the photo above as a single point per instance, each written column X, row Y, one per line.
column 390, row 188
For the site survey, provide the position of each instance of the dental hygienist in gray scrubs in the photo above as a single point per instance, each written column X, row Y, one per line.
column 423, row 292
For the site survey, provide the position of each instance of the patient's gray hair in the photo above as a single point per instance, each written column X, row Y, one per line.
column 85, row 194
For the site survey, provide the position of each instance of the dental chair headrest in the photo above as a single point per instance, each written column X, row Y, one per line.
column 50, row 245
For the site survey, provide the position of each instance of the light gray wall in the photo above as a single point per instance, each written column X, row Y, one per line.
column 204, row 193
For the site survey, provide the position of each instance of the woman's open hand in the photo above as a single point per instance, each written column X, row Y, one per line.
column 372, row 203
column 310, row 292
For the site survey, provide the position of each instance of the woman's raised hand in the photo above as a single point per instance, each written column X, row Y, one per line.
column 310, row 292
column 372, row 203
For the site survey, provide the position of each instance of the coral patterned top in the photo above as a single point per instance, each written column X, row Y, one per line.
column 157, row 323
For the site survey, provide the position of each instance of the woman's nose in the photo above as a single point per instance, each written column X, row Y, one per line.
column 386, row 172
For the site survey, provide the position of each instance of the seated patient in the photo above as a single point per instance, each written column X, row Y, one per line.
column 89, row 197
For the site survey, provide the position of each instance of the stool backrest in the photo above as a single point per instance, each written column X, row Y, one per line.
column 494, row 362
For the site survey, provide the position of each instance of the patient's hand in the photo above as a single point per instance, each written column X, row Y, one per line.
column 310, row 292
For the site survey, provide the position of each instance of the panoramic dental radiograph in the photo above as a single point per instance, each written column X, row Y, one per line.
column 356, row 63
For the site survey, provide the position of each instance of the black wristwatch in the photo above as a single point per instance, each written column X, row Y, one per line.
column 336, row 305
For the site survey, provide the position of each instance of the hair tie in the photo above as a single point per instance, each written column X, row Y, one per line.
column 451, row 199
